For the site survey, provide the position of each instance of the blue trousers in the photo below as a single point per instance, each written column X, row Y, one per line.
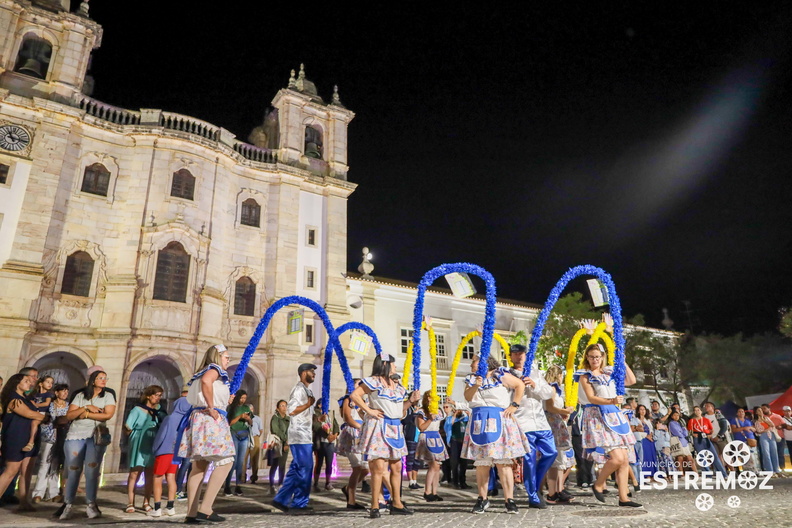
column 534, row 471
column 639, row 455
column 296, row 487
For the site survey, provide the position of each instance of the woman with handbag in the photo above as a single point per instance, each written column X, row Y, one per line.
column 239, row 419
column 86, row 442
column 278, row 451
column 141, row 425
column 768, row 437
column 18, row 415
column 679, row 446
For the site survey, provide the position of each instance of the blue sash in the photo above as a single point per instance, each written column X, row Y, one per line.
column 614, row 419
column 184, row 425
column 434, row 442
column 392, row 432
column 485, row 425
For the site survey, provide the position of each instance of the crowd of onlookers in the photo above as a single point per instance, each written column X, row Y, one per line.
column 64, row 431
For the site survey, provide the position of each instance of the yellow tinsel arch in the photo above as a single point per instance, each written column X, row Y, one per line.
column 434, row 399
column 570, row 386
column 458, row 356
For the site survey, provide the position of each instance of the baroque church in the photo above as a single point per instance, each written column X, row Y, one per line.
column 135, row 239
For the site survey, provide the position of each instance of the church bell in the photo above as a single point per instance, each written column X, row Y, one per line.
column 33, row 68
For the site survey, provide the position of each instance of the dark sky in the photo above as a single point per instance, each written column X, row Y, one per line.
column 649, row 139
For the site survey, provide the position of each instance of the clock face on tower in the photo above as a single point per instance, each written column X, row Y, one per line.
column 14, row 138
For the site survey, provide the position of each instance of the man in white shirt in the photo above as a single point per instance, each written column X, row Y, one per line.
column 717, row 436
column 296, row 488
column 531, row 418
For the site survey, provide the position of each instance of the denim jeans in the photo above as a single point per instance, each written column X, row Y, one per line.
column 638, row 459
column 767, row 443
column 239, row 460
column 81, row 454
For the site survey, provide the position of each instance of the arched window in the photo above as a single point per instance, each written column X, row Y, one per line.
column 251, row 213
column 78, row 274
column 183, row 185
column 96, row 179
column 173, row 267
column 34, row 57
column 313, row 142
column 245, row 297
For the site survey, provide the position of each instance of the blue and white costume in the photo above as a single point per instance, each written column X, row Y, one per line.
column 296, row 489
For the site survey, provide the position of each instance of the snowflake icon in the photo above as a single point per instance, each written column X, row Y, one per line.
column 736, row 453
column 733, row 501
column 704, row 502
column 705, row 458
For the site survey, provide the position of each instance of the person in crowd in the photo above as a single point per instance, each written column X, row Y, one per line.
column 86, row 442
column 296, row 489
column 459, row 465
column 778, row 421
column 743, row 430
column 531, row 418
column 717, row 437
column 382, row 440
column 431, row 448
column 446, row 426
column 701, row 428
column 350, row 432
column 51, row 459
column 787, row 429
column 18, row 414
column 557, row 416
column 185, row 464
column 662, row 444
column 585, row 466
column 325, row 433
column 638, row 431
column 683, row 418
column 411, row 435
column 494, row 437
column 678, row 442
column 649, row 460
column 240, row 418
column 655, row 413
column 766, row 430
column 253, row 455
column 164, row 448
column 141, row 426
column 207, row 437
column 607, row 439
column 279, row 451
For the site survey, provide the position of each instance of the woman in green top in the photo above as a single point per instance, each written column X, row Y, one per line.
column 277, row 455
column 239, row 418
column 141, row 426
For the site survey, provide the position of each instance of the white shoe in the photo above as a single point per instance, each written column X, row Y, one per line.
column 92, row 512
column 154, row 513
column 67, row 513
column 170, row 512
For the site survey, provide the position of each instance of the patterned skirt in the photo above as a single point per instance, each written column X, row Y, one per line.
column 422, row 452
column 347, row 440
column 599, row 439
column 371, row 442
column 511, row 444
column 563, row 440
column 207, row 439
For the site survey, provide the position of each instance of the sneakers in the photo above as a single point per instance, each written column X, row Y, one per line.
column 414, row 486
column 63, row 513
column 565, row 496
column 154, row 513
column 170, row 512
column 227, row 492
column 511, row 506
column 238, row 491
column 181, row 496
column 92, row 511
column 481, row 505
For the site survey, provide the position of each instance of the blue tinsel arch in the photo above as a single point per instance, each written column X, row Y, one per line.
column 265, row 321
column 342, row 361
column 615, row 310
column 489, row 313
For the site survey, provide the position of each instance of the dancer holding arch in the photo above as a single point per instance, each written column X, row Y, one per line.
column 381, row 439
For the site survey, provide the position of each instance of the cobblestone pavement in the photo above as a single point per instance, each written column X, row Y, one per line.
column 661, row 508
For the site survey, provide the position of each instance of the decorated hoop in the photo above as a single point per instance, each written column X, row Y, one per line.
column 489, row 313
column 615, row 304
column 342, row 360
column 570, row 386
column 458, row 355
column 434, row 399
column 239, row 375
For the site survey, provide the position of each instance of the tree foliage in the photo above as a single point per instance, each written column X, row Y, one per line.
column 560, row 328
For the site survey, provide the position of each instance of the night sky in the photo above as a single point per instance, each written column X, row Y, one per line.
column 652, row 141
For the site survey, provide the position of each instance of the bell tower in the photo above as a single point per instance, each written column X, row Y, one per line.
column 47, row 48
column 313, row 134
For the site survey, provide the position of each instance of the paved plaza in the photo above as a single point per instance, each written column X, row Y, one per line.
column 661, row 508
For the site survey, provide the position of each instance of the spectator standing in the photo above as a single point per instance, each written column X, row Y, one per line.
column 585, row 469
column 779, row 423
column 766, row 430
column 239, row 418
column 742, row 429
column 278, row 452
column 51, row 459
column 649, row 463
column 787, row 429
column 141, row 426
column 701, row 428
column 655, row 413
column 445, row 433
column 253, row 455
column 662, row 445
column 459, row 465
column 325, row 433
column 86, row 442
column 411, row 433
column 164, row 447
column 678, row 442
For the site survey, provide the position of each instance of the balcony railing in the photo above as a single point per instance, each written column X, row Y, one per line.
column 106, row 112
